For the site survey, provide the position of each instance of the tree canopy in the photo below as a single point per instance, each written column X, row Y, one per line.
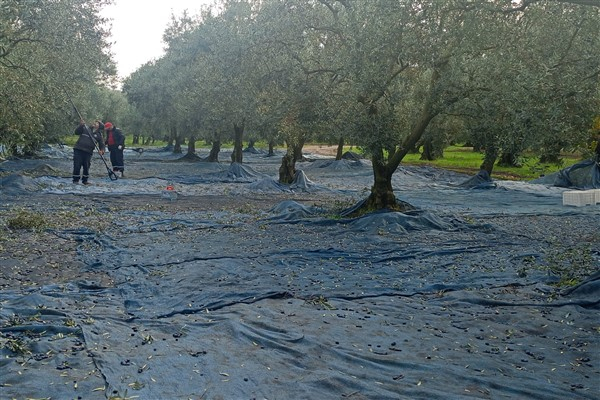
column 380, row 74
column 47, row 49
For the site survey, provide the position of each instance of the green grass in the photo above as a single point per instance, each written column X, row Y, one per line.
column 69, row 142
column 27, row 220
column 464, row 159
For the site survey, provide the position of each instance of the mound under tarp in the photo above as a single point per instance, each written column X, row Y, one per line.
column 294, row 302
column 582, row 175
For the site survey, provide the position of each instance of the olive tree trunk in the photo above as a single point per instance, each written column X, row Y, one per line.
column 340, row 149
column 271, row 149
column 191, row 146
column 238, row 131
column 489, row 159
column 178, row 141
column 297, row 150
column 213, row 156
column 287, row 170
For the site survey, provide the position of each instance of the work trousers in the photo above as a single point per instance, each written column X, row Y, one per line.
column 116, row 160
column 81, row 160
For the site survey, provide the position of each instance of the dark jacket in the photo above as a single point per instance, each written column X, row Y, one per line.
column 114, row 139
column 85, row 142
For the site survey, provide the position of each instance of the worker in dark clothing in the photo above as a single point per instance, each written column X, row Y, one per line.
column 89, row 138
column 115, row 140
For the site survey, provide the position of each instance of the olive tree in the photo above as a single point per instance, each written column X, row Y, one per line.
column 403, row 65
column 46, row 51
column 392, row 62
column 539, row 90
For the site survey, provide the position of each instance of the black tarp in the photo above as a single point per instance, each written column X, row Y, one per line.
column 582, row 175
column 293, row 302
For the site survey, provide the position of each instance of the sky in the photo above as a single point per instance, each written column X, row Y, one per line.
column 138, row 26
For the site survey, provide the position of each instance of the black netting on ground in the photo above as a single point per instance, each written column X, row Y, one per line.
column 583, row 175
column 295, row 302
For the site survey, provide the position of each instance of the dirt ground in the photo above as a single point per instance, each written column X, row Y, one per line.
column 223, row 283
column 36, row 257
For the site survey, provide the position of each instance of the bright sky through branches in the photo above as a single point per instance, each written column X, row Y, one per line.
column 138, row 26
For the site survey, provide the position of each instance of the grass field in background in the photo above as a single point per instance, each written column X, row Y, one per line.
column 464, row 159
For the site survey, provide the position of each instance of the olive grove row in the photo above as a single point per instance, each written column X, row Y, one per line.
column 386, row 75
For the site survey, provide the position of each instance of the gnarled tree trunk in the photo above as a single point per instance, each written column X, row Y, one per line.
column 271, row 149
column 191, row 150
column 237, row 155
column 178, row 141
column 297, row 150
column 340, row 149
column 427, row 154
column 287, row 170
column 491, row 154
column 191, row 147
column 382, row 194
column 213, row 156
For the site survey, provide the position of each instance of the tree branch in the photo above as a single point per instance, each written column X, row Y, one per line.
column 387, row 83
column 9, row 65
column 527, row 3
column 570, row 44
column 592, row 3
column 5, row 51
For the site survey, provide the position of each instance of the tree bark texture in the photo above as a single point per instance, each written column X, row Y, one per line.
column 271, row 149
column 178, row 141
column 297, row 150
column 491, row 154
column 340, row 149
column 287, row 170
column 237, row 155
column 382, row 194
column 213, row 156
column 191, row 147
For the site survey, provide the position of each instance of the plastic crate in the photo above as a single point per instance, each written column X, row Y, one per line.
column 580, row 198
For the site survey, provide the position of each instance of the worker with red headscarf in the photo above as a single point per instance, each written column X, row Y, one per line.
column 115, row 141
